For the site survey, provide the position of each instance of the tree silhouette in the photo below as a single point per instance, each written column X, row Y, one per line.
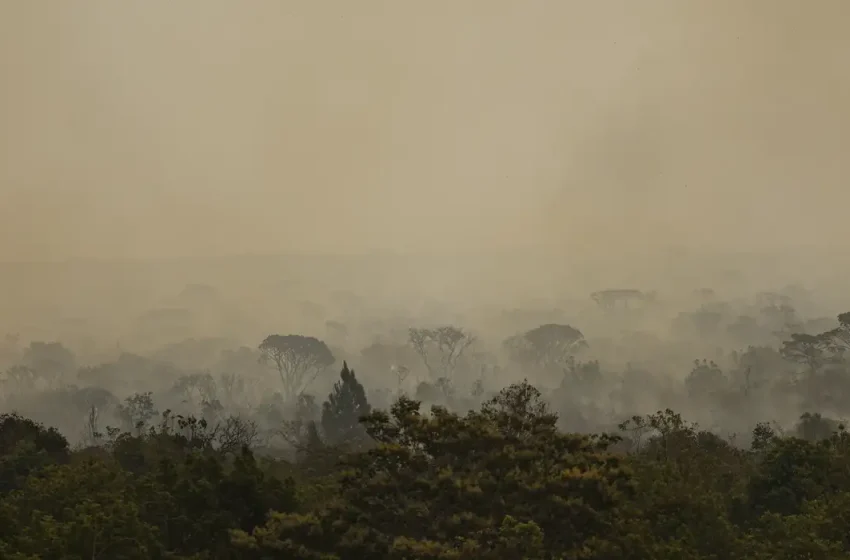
column 447, row 342
column 297, row 359
column 812, row 351
column 547, row 346
column 345, row 406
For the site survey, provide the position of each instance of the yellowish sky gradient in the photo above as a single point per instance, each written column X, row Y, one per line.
column 159, row 128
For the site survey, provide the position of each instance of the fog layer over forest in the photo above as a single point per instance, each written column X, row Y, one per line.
column 449, row 280
column 485, row 165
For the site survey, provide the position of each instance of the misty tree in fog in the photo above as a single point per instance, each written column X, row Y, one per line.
column 84, row 398
column 584, row 377
column 747, row 328
column 50, row 360
column 381, row 357
column 546, row 347
column 443, row 345
column 703, row 322
column 336, row 330
column 611, row 299
column 756, row 366
column 298, row 360
column 839, row 337
column 242, row 360
column 232, row 387
column 18, row 379
column 815, row 350
column 136, row 411
column 299, row 429
column 811, row 351
column 814, row 427
column 401, row 373
column 706, row 379
column 196, row 388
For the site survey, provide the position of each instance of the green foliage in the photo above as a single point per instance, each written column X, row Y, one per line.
column 84, row 510
column 502, row 482
column 445, row 486
column 25, row 448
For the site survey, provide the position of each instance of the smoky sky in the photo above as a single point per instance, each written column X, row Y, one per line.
column 158, row 128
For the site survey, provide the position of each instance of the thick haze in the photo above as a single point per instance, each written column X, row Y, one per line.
column 180, row 179
column 161, row 128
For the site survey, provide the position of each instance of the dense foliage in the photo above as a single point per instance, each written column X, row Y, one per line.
column 500, row 482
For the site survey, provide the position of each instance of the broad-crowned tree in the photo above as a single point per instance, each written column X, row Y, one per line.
column 298, row 360
column 545, row 347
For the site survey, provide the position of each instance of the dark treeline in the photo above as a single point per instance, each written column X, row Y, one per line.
column 285, row 451
column 499, row 482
